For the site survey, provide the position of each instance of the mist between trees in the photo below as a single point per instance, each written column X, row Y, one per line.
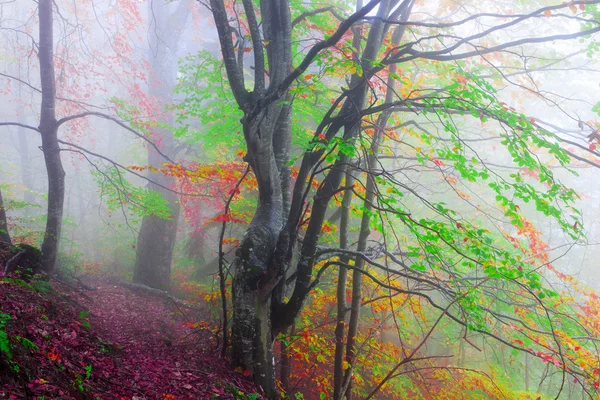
column 377, row 199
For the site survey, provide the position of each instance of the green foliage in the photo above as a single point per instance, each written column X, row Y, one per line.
column 81, row 378
column 120, row 193
column 41, row 286
column 5, row 346
column 83, row 317
column 27, row 344
column 208, row 112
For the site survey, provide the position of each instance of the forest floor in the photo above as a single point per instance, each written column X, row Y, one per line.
column 112, row 342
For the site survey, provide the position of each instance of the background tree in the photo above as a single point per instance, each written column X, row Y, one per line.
column 4, row 233
column 156, row 238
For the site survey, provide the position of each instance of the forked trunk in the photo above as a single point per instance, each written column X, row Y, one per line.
column 252, row 339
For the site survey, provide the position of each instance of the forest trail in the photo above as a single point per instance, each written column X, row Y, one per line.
column 139, row 346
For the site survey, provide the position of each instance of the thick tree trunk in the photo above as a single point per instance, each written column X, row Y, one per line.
column 266, row 251
column 4, row 233
column 252, row 340
column 156, row 238
column 49, row 133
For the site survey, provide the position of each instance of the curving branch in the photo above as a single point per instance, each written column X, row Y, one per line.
column 118, row 122
column 33, row 128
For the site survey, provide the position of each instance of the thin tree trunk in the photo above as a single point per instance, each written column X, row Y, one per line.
column 49, row 134
column 25, row 164
column 286, row 362
column 372, row 163
column 342, row 306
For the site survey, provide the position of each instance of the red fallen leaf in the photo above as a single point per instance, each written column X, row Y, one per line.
column 532, row 120
column 247, row 373
column 596, row 384
column 597, row 371
column 322, row 136
column 593, row 146
column 437, row 162
column 548, row 13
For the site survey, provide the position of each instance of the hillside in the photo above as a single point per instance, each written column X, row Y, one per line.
column 108, row 343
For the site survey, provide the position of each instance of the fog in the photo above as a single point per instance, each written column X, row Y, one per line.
column 166, row 181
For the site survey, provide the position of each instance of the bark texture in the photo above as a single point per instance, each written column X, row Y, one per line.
column 49, row 133
column 4, row 233
column 263, row 266
column 156, row 238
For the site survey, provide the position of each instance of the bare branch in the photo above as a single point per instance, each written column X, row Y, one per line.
column 120, row 123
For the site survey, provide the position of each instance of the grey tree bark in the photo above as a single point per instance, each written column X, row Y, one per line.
column 49, row 133
column 4, row 233
column 342, row 306
column 156, row 238
column 265, row 253
column 370, row 194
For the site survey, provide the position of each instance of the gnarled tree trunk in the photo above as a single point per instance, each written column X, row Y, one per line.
column 265, row 254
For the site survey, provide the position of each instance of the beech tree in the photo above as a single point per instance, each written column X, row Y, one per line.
column 70, row 107
column 156, row 238
column 4, row 233
column 440, row 250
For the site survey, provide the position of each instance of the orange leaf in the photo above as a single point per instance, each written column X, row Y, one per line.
column 548, row 13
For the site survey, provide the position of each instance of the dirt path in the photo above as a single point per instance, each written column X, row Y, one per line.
column 158, row 349
column 128, row 345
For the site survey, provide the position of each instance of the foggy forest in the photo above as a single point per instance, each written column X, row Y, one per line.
column 299, row 199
